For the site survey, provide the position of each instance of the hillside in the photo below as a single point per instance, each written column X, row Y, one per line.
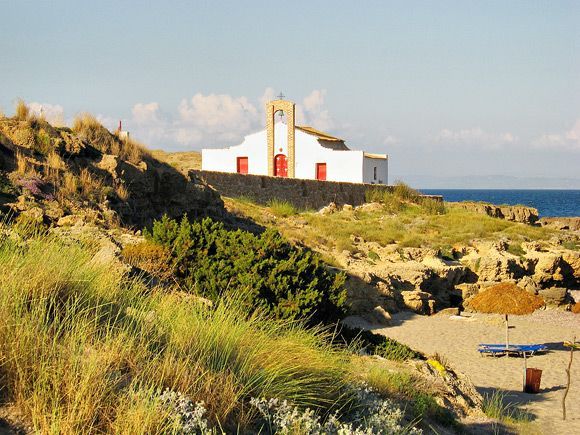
column 89, row 172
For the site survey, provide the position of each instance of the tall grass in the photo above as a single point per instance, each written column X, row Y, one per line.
column 22, row 112
column 89, row 128
column 495, row 405
column 87, row 349
column 282, row 208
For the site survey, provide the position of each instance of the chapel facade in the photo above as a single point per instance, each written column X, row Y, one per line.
column 285, row 149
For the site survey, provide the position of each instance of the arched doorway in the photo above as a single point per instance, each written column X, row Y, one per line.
column 280, row 166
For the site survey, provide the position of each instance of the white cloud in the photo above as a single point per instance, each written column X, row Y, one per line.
column 53, row 113
column 475, row 137
column 569, row 140
column 391, row 141
column 216, row 120
column 313, row 112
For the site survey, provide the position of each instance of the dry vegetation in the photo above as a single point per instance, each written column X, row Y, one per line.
column 505, row 298
column 90, row 129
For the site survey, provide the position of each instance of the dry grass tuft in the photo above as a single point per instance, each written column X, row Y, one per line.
column 22, row 111
column 122, row 192
column 506, row 298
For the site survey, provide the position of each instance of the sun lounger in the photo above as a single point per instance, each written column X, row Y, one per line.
column 517, row 349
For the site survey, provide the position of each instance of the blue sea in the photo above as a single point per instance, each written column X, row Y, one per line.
column 548, row 202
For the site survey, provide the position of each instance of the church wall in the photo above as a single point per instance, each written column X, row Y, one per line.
column 342, row 166
column 305, row 194
column 382, row 166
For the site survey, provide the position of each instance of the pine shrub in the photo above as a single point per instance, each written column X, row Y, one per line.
column 287, row 281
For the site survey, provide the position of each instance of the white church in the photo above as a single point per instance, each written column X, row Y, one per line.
column 285, row 149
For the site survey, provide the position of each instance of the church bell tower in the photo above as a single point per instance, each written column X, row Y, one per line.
column 288, row 108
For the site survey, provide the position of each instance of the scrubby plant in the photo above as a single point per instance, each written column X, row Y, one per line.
column 289, row 282
column 372, row 415
column 151, row 257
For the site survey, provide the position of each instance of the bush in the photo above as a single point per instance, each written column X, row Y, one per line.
column 376, row 344
column 393, row 350
column 576, row 308
column 289, row 282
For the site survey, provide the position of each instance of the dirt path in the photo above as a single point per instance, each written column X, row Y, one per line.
column 457, row 340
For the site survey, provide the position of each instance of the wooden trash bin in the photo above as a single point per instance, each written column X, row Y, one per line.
column 533, row 378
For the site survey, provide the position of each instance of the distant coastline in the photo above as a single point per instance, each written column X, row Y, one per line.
column 549, row 202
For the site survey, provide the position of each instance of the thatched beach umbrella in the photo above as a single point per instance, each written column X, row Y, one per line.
column 506, row 299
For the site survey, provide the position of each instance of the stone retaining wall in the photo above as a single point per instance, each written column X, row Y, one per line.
column 305, row 194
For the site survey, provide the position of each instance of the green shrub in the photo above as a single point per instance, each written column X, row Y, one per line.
column 287, row 281
column 376, row 344
column 516, row 249
column 393, row 350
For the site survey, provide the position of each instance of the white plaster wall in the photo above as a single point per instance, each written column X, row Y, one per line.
column 382, row 166
column 254, row 147
column 340, row 165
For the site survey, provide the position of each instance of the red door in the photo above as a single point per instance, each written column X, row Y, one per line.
column 242, row 165
column 280, row 166
column 321, row 171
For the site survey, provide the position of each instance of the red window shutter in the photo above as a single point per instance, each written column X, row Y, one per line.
column 321, row 171
column 242, row 165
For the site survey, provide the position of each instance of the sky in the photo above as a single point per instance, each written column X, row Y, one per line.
column 457, row 93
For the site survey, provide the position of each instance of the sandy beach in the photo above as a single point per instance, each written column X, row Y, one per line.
column 457, row 339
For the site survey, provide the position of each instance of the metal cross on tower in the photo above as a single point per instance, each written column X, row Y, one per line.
column 281, row 96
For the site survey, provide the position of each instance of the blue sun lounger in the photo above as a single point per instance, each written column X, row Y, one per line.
column 517, row 349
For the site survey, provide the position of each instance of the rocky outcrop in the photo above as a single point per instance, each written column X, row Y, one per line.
column 515, row 213
column 561, row 223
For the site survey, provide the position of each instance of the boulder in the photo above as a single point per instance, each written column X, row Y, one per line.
column 446, row 312
column 347, row 207
column 555, row 296
column 378, row 316
column 501, row 266
column 329, row 209
column 529, row 284
column 418, row 301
